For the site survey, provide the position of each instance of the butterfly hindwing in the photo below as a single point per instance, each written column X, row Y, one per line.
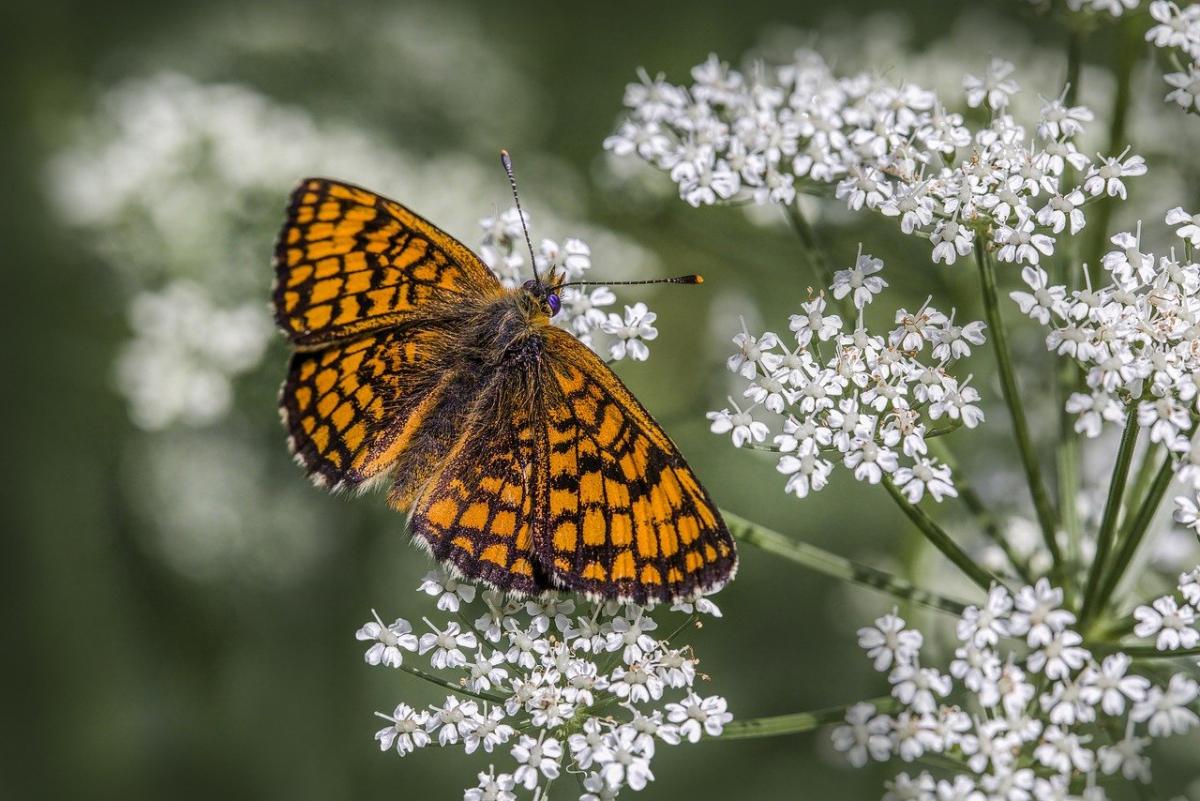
column 349, row 261
column 479, row 513
column 352, row 407
column 626, row 517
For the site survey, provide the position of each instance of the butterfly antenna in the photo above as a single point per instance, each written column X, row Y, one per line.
column 679, row 279
column 506, row 162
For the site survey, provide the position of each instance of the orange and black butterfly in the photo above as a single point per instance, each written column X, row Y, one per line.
column 522, row 460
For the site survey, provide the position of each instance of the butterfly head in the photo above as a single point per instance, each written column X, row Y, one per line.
column 545, row 295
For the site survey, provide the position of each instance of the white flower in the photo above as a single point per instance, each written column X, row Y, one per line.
column 889, row 641
column 1060, row 657
column 1126, row 756
column 860, row 281
column 870, row 460
column 744, row 427
column 630, row 635
column 406, row 732
column 1038, row 614
column 629, row 765
column 995, row 86
column 805, row 472
column 536, row 757
column 389, row 643
column 925, row 476
column 489, row 731
column 1106, row 179
column 984, row 627
column 1167, row 712
column 453, row 720
column 492, row 788
column 919, row 688
column 1185, row 91
column 449, row 591
column 1044, row 300
column 695, row 716
column 864, row 736
column 1173, row 624
column 1062, row 751
column 445, row 645
column 632, row 333
column 1189, row 225
column 1109, row 684
column 814, row 322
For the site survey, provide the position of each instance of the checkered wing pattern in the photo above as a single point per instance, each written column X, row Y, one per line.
column 625, row 516
column 349, row 261
column 479, row 513
column 352, row 408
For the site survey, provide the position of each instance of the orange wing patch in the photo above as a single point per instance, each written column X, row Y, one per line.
column 349, row 261
column 626, row 516
column 478, row 514
column 352, row 408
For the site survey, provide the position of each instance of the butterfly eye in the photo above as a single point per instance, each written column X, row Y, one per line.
column 554, row 303
column 530, row 286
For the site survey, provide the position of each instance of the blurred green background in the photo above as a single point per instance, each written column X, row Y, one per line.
column 180, row 603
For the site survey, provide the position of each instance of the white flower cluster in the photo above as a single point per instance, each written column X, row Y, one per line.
column 1138, row 341
column 582, row 311
column 185, row 353
column 586, row 690
column 847, row 394
column 1171, row 623
column 1178, row 31
column 892, row 148
column 1023, row 711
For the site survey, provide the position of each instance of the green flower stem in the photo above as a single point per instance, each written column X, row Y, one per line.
column 1129, row 46
column 1108, row 523
column 1137, row 527
column 449, row 685
column 797, row 722
column 940, row 539
column 975, row 505
column 1150, row 652
column 835, row 566
column 812, row 249
column 1012, row 396
column 1135, row 491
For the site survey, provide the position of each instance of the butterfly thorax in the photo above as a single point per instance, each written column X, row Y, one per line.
column 501, row 331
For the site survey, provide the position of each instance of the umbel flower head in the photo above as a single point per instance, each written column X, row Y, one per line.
column 555, row 686
column 896, row 149
column 1023, row 710
column 842, row 394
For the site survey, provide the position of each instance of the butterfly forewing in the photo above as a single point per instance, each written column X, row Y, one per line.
column 349, row 261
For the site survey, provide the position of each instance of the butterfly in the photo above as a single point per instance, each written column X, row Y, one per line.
column 522, row 460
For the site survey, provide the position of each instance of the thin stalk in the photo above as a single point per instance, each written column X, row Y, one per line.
column 1012, row 397
column 1150, row 652
column 797, row 722
column 1137, row 527
column 838, row 567
column 449, row 685
column 1066, row 454
column 1129, row 45
column 812, row 248
column 983, row 516
column 1108, row 523
column 1074, row 63
column 940, row 539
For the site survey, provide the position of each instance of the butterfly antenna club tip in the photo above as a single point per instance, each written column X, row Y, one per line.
column 506, row 162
